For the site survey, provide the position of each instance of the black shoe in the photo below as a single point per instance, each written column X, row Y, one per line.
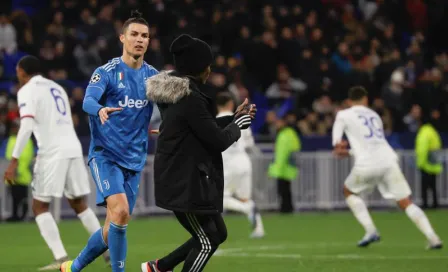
column 151, row 266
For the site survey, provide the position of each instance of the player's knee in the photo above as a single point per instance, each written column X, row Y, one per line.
column 78, row 205
column 120, row 215
column 404, row 203
column 40, row 207
column 347, row 192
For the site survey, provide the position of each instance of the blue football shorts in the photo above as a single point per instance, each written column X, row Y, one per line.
column 111, row 179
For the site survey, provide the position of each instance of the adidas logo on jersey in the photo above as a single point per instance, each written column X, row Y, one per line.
column 131, row 103
column 121, row 86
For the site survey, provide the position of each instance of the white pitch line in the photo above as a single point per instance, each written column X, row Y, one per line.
column 309, row 246
column 256, row 252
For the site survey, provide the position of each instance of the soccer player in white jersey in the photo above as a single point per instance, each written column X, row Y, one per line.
column 238, row 171
column 59, row 167
column 376, row 165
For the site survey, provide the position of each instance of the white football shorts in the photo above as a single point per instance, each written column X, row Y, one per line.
column 390, row 181
column 238, row 182
column 54, row 177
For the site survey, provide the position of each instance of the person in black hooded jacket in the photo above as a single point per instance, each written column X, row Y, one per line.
column 188, row 171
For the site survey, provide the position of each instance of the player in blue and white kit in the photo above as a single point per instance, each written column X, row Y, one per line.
column 119, row 116
column 376, row 165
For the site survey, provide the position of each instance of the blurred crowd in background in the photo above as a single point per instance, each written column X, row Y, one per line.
column 287, row 56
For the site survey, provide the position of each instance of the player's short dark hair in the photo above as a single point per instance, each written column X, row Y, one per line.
column 30, row 64
column 223, row 98
column 136, row 18
column 357, row 93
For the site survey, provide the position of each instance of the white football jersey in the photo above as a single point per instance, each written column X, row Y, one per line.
column 237, row 151
column 365, row 133
column 47, row 103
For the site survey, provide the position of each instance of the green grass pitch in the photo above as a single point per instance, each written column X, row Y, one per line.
column 302, row 242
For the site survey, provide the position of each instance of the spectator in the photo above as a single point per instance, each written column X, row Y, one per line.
column 311, row 125
column 8, row 41
column 284, row 167
column 393, row 95
column 285, row 86
column 427, row 145
column 301, row 51
column 413, row 118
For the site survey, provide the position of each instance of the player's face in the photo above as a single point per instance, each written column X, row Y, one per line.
column 135, row 40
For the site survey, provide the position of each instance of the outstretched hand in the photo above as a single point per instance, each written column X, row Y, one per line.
column 104, row 113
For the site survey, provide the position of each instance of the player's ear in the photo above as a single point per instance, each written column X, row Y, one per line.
column 122, row 37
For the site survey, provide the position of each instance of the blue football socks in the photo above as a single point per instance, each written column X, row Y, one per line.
column 118, row 246
column 95, row 247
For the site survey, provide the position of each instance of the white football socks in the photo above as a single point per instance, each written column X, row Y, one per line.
column 259, row 228
column 233, row 204
column 359, row 210
column 89, row 220
column 50, row 232
column 421, row 221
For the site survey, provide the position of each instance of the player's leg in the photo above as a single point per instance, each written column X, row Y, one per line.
column 96, row 245
column 418, row 216
column 77, row 187
column 396, row 186
column 120, row 205
column 49, row 231
column 237, row 190
column 48, row 183
column 244, row 194
column 109, row 180
column 355, row 184
column 118, row 208
column 91, row 224
column 231, row 183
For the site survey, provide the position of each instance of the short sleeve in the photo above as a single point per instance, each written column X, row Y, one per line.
column 27, row 103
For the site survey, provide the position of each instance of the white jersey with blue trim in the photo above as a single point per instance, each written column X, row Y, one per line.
column 365, row 133
column 237, row 152
column 47, row 103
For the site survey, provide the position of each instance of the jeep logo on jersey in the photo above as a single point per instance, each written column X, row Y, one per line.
column 131, row 103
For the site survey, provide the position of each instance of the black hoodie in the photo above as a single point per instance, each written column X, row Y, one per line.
column 188, row 171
